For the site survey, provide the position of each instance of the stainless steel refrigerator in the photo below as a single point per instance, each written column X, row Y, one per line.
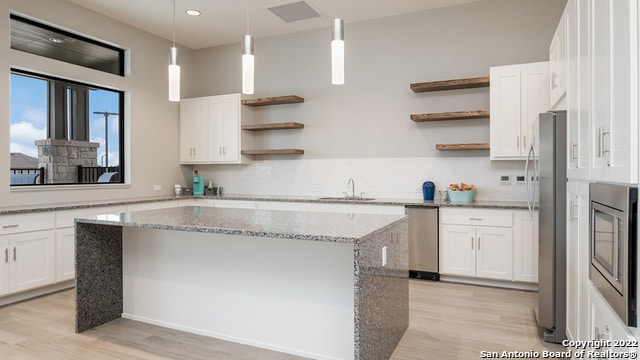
column 549, row 154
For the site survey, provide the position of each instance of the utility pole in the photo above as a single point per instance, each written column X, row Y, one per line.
column 106, row 133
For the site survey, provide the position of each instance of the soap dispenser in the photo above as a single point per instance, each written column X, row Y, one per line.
column 198, row 184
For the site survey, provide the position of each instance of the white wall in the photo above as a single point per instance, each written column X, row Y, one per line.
column 151, row 120
column 366, row 121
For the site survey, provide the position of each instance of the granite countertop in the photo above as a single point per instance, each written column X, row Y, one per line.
column 332, row 227
column 31, row 208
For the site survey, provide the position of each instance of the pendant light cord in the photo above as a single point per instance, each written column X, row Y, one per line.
column 247, row 13
column 174, row 23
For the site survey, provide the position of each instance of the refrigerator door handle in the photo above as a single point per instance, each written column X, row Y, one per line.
column 527, row 180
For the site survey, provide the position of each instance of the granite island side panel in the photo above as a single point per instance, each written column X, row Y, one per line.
column 380, row 321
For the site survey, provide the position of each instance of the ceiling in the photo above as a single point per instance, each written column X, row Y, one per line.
column 225, row 21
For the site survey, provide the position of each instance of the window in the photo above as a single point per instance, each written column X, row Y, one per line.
column 44, row 40
column 64, row 132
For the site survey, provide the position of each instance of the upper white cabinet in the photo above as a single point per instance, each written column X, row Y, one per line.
column 210, row 130
column 613, row 58
column 578, row 89
column 519, row 93
column 557, row 66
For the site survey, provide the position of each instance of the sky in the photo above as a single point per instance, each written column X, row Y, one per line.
column 29, row 118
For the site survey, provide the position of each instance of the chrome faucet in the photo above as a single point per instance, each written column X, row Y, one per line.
column 352, row 184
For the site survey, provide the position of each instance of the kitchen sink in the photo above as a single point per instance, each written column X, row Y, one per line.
column 346, row 198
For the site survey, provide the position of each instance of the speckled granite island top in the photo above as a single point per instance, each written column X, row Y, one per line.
column 263, row 223
column 318, row 285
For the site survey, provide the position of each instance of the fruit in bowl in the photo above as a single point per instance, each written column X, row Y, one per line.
column 462, row 193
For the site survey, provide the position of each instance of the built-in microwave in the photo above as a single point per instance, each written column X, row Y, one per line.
column 613, row 240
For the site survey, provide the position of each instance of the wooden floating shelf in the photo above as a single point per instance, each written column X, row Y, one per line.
column 273, row 152
column 273, row 126
column 469, row 146
column 456, row 115
column 455, row 84
column 276, row 100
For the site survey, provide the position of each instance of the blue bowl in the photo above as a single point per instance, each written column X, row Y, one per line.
column 468, row 196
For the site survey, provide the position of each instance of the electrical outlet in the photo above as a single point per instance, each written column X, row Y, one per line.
column 505, row 180
column 384, row 256
column 316, row 187
column 519, row 180
column 157, row 187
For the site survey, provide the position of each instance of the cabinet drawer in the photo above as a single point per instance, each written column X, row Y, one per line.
column 11, row 224
column 66, row 218
column 476, row 217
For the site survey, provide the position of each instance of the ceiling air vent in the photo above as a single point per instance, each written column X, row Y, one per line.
column 296, row 11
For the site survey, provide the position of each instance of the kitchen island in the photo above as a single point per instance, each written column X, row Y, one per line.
column 321, row 285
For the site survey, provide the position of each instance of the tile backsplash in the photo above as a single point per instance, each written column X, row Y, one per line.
column 375, row 177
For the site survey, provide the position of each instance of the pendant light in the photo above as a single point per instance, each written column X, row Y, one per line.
column 247, row 60
column 337, row 52
column 174, row 68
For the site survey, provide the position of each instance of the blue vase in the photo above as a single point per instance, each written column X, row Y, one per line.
column 428, row 190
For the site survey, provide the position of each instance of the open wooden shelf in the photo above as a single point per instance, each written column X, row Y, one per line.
column 455, row 115
column 454, row 84
column 273, row 126
column 273, row 152
column 276, row 100
column 469, row 146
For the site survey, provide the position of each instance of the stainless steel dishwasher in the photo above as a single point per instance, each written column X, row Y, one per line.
column 423, row 242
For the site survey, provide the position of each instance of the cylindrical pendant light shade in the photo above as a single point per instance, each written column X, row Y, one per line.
column 247, row 64
column 337, row 52
column 174, row 75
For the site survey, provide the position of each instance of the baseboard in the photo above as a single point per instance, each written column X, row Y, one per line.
column 29, row 294
column 517, row 285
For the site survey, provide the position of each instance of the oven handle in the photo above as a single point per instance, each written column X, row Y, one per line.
column 616, row 253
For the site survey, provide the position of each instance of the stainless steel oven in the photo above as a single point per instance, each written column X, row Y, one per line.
column 613, row 240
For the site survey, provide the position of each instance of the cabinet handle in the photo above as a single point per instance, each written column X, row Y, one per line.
column 554, row 84
column 472, row 243
column 14, row 253
column 10, row 226
column 524, row 141
column 575, row 204
column 605, row 133
column 475, row 218
column 6, row 255
column 478, row 243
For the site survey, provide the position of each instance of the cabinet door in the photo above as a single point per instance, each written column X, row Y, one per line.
column 4, row 265
column 504, row 129
column 525, row 246
column 534, row 100
column 578, row 89
column 65, row 254
column 32, row 260
column 557, row 64
column 494, row 253
column 457, row 250
column 224, row 128
column 193, row 130
column 614, row 91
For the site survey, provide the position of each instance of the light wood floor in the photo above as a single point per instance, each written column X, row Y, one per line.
column 447, row 321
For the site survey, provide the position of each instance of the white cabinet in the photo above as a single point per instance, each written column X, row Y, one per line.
column 476, row 243
column 578, row 89
column 210, row 130
column 4, row 265
column 557, row 65
column 65, row 254
column 519, row 93
column 578, row 283
column 31, row 260
column 607, row 326
column 614, row 90
column 525, row 246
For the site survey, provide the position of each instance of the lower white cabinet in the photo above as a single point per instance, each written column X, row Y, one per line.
column 489, row 244
column 476, row 251
column 29, row 260
column 4, row 265
column 607, row 326
column 525, row 246
column 65, row 254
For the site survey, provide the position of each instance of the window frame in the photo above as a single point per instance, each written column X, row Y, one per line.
column 121, row 125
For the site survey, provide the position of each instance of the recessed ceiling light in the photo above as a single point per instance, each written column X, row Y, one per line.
column 193, row 12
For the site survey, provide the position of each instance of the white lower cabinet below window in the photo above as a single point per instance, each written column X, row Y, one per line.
column 28, row 260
